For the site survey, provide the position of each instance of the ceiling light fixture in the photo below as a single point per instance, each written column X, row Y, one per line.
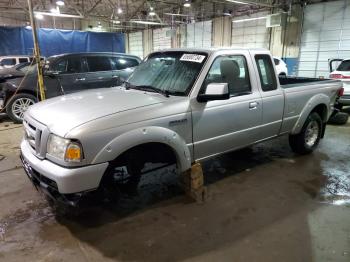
column 119, row 10
column 248, row 19
column 176, row 14
column 55, row 10
column 237, row 2
column 187, row 3
column 144, row 22
column 39, row 16
column 60, row 3
column 58, row 15
column 116, row 22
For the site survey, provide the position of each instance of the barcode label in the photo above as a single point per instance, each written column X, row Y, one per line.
column 192, row 58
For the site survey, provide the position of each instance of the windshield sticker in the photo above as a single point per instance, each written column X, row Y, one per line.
column 192, row 58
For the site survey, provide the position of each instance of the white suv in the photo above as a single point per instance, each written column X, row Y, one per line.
column 281, row 66
column 11, row 61
column 343, row 73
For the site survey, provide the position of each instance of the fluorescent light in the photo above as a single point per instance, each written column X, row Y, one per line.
column 60, row 3
column 176, row 14
column 58, row 15
column 145, row 22
column 152, row 13
column 237, row 2
column 187, row 3
column 248, row 19
column 55, row 10
column 115, row 22
column 39, row 16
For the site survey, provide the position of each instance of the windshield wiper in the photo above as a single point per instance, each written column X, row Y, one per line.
column 147, row 88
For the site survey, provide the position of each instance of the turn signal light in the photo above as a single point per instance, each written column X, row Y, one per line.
column 341, row 91
column 73, row 153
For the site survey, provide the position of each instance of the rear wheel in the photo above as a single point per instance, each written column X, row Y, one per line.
column 308, row 139
column 18, row 105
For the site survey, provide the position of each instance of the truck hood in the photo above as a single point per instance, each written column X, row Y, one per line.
column 61, row 114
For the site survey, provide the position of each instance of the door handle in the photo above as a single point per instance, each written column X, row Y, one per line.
column 80, row 79
column 115, row 77
column 100, row 78
column 253, row 105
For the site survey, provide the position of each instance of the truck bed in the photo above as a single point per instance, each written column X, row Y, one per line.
column 290, row 81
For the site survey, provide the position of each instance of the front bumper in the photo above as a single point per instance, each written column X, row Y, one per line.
column 344, row 100
column 63, row 181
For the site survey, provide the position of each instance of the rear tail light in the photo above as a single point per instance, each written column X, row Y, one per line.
column 338, row 76
column 341, row 91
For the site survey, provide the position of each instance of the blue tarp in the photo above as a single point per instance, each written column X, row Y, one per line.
column 19, row 41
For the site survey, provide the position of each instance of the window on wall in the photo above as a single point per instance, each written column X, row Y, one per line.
column 198, row 34
column 266, row 72
column 136, row 44
column 232, row 70
column 251, row 34
column 161, row 39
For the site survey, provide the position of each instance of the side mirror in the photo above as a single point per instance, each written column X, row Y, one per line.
column 215, row 91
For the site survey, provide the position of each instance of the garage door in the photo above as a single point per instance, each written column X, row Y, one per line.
column 199, row 34
column 136, row 44
column 326, row 34
column 161, row 39
column 251, row 33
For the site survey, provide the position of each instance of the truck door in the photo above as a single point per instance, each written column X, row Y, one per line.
column 224, row 125
column 272, row 96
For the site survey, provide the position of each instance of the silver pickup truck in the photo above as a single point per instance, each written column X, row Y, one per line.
column 179, row 106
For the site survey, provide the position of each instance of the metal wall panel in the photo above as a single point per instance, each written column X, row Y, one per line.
column 136, row 44
column 160, row 39
column 251, row 33
column 326, row 35
column 198, row 34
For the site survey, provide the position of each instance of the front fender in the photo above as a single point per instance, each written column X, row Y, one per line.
column 320, row 99
column 145, row 135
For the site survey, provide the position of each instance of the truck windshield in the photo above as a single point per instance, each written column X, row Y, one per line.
column 172, row 73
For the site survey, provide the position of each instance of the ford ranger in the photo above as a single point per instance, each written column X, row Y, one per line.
column 179, row 106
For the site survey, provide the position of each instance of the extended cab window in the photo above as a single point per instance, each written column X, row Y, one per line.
column 266, row 72
column 232, row 70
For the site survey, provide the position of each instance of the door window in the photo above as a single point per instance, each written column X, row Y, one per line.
column 8, row 61
column 71, row 65
column 120, row 63
column 23, row 60
column 266, row 72
column 98, row 63
column 232, row 70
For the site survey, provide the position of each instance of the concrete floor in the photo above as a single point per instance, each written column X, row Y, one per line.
column 265, row 204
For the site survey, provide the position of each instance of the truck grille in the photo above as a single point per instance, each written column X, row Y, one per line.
column 36, row 134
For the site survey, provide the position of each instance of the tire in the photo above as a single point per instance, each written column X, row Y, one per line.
column 18, row 105
column 339, row 119
column 111, row 189
column 308, row 139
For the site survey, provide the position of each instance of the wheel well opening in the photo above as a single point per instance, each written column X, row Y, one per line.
column 321, row 110
column 153, row 152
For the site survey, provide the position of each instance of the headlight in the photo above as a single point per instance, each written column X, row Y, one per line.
column 64, row 149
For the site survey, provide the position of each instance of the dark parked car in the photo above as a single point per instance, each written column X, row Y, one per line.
column 64, row 74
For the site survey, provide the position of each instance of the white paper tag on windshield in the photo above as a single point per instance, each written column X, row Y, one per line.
column 192, row 58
